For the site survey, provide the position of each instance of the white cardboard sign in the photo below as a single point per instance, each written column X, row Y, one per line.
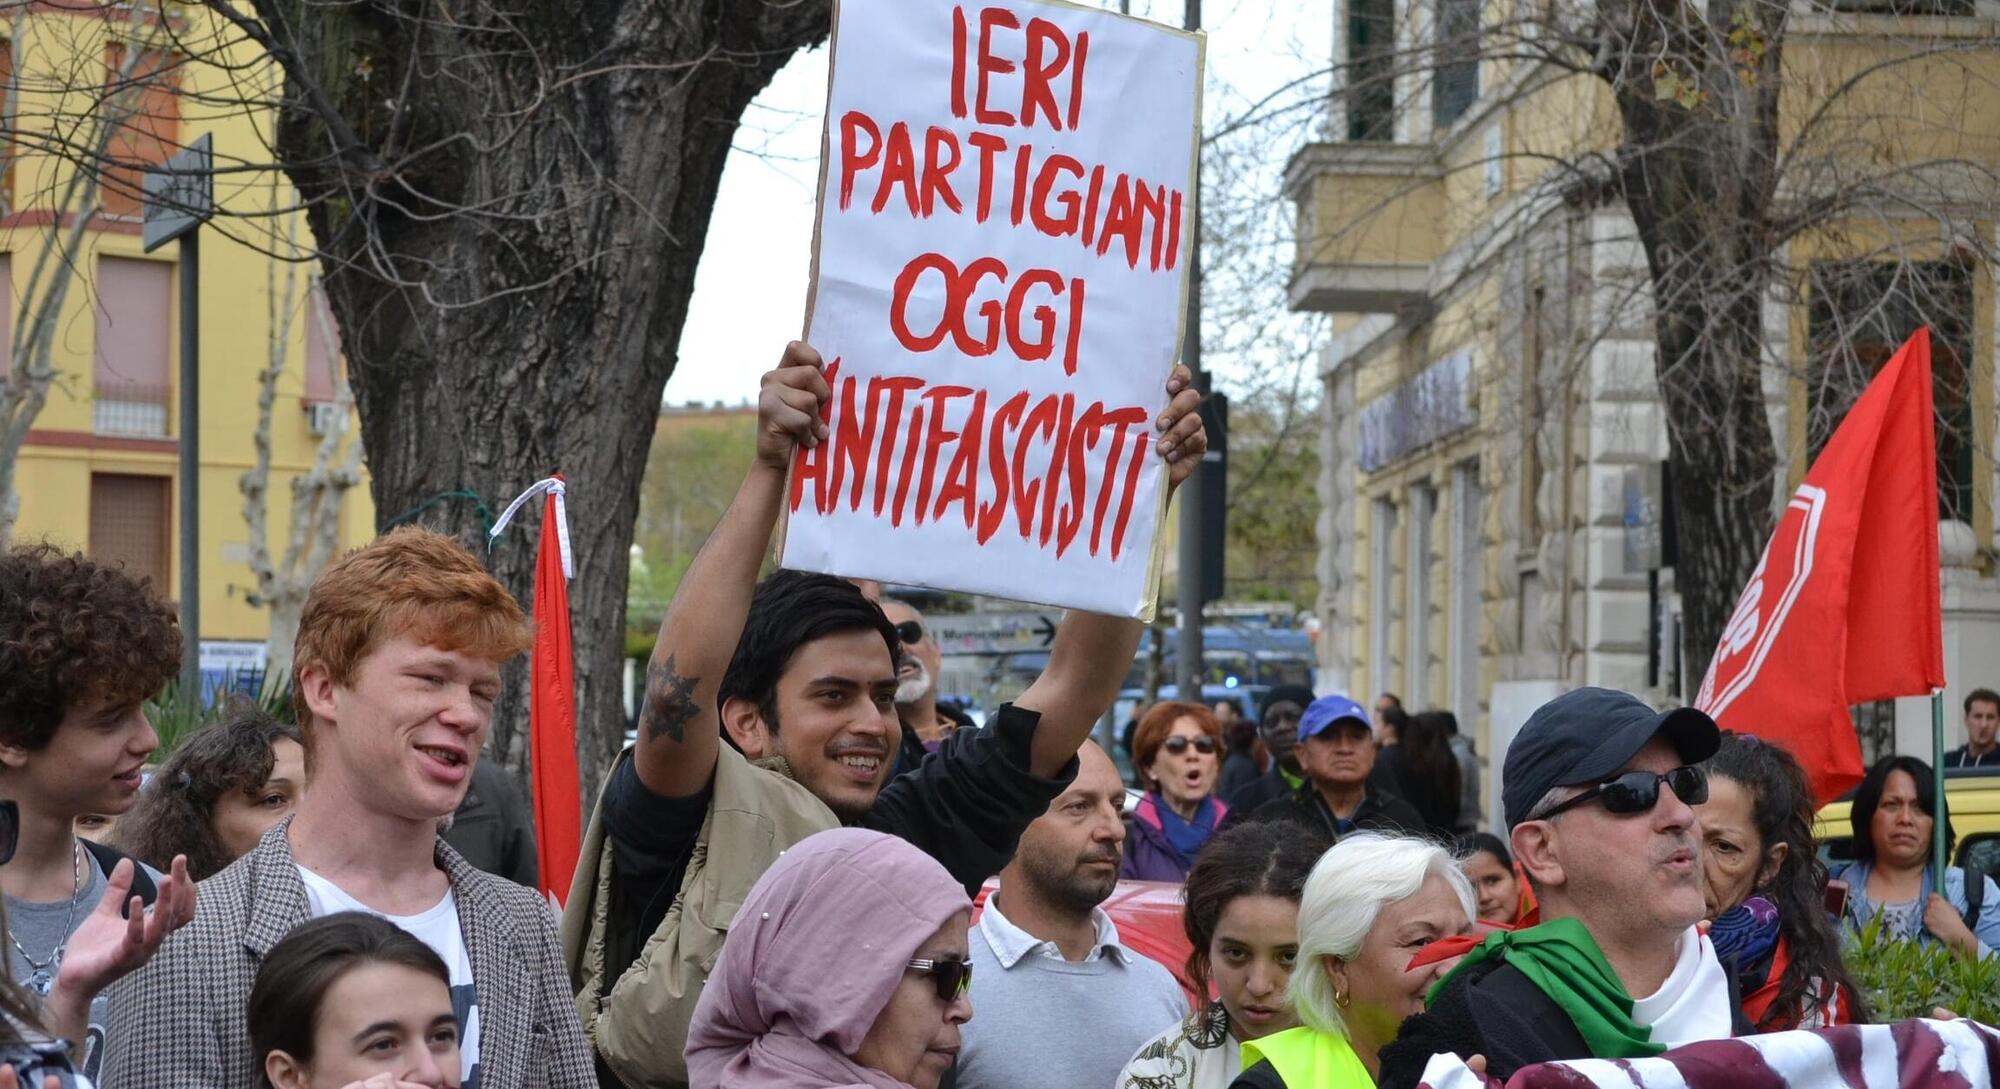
column 998, row 290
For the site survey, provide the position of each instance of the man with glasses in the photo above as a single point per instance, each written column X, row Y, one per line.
column 1336, row 750
column 1058, row 1000
column 1278, row 725
column 926, row 723
column 1599, row 791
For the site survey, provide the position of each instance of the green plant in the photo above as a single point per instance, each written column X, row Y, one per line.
column 1905, row 979
column 175, row 717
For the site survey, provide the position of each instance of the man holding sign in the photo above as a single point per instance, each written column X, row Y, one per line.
column 800, row 670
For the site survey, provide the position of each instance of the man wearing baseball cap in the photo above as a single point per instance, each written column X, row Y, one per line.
column 1336, row 751
column 1599, row 791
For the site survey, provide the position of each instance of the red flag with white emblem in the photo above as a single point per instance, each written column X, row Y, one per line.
column 1843, row 607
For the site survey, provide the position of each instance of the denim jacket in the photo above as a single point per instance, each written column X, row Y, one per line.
column 1986, row 929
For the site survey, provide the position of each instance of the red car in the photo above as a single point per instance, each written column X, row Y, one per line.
column 1148, row 917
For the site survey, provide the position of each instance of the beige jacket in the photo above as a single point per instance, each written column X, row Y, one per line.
column 639, row 1027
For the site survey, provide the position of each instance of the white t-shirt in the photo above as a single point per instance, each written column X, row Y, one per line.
column 1693, row 1004
column 437, row 928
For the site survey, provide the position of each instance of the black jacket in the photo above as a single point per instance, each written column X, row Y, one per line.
column 1491, row 1009
column 1246, row 799
column 494, row 828
column 1378, row 812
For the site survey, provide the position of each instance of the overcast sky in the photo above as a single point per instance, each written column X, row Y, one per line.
column 750, row 291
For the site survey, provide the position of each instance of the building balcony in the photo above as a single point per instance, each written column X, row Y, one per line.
column 130, row 409
column 1371, row 219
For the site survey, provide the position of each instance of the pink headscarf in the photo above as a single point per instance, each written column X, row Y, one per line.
column 812, row 959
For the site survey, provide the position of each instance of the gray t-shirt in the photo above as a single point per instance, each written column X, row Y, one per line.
column 38, row 928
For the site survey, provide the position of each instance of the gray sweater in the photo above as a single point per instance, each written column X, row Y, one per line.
column 1040, row 1021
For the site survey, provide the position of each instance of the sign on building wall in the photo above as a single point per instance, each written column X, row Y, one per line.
column 998, row 286
column 1434, row 404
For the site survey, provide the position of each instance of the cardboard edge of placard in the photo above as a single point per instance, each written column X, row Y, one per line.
column 1148, row 610
column 781, row 536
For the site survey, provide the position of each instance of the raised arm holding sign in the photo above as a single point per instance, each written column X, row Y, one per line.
column 800, row 671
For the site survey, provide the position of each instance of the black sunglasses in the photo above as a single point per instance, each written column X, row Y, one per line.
column 1639, row 791
column 1179, row 743
column 910, row 632
column 952, row 975
column 10, row 830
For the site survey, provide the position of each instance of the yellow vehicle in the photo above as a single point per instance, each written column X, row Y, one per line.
column 1971, row 796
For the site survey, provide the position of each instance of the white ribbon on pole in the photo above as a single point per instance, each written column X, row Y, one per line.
column 554, row 486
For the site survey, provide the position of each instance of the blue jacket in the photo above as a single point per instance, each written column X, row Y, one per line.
column 1986, row 928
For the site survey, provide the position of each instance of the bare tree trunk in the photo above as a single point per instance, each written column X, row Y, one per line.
column 511, row 204
column 1698, row 95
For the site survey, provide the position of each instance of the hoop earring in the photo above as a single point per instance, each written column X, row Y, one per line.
column 1340, row 998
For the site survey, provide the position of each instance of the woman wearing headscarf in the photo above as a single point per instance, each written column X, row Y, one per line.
column 845, row 968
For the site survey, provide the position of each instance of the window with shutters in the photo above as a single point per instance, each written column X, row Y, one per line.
column 134, row 351
column 145, row 102
column 129, row 524
column 322, row 347
column 1455, row 74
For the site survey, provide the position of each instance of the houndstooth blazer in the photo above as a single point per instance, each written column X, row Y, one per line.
column 179, row 1023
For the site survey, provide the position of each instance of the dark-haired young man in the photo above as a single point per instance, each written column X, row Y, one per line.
column 1982, row 732
column 83, row 646
column 800, row 671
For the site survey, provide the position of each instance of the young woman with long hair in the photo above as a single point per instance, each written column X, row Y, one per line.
column 1242, row 926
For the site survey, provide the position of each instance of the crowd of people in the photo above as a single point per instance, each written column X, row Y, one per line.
column 808, row 871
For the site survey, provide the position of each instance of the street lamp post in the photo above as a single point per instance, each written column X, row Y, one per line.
column 179, row 198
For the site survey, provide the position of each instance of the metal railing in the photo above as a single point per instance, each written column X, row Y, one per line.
column 131, row 409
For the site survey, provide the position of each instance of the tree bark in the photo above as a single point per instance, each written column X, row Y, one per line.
column 1697, row 92
column 511, row 205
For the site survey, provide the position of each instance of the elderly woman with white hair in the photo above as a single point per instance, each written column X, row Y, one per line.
column 1373, row 902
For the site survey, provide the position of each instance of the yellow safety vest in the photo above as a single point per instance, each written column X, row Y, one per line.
column 1309, row 1059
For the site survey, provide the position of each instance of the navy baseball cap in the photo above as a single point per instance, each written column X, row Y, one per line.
column 1583, row 736
column 1323, row 712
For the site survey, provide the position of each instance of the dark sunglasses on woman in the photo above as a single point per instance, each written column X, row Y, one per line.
column 910, row 632
column 951, row 975
column 1639, row 791
column 1179, row 743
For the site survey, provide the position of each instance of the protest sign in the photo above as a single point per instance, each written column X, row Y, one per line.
column 998, row 291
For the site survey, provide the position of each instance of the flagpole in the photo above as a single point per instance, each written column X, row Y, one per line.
column 1937, row 784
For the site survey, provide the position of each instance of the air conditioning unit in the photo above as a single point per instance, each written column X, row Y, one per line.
column 324, row 418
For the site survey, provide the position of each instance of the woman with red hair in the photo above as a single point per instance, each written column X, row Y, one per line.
column 1177, row 750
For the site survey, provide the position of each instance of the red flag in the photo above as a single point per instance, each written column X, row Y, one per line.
column 1843, row 606
column 552, row 700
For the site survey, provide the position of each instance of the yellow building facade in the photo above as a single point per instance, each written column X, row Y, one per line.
column 99, row 471
column 1492, row 485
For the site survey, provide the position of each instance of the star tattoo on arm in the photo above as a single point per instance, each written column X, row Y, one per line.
column 670, row 704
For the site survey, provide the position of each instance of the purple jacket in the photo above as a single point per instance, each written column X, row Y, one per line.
column 1148, row 855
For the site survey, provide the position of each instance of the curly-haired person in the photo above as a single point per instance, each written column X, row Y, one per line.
column 83, row 645
column 218, row 794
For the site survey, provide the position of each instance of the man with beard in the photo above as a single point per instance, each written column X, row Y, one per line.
column 1599, row 792
column 1059, row 1000
column 925, row 723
